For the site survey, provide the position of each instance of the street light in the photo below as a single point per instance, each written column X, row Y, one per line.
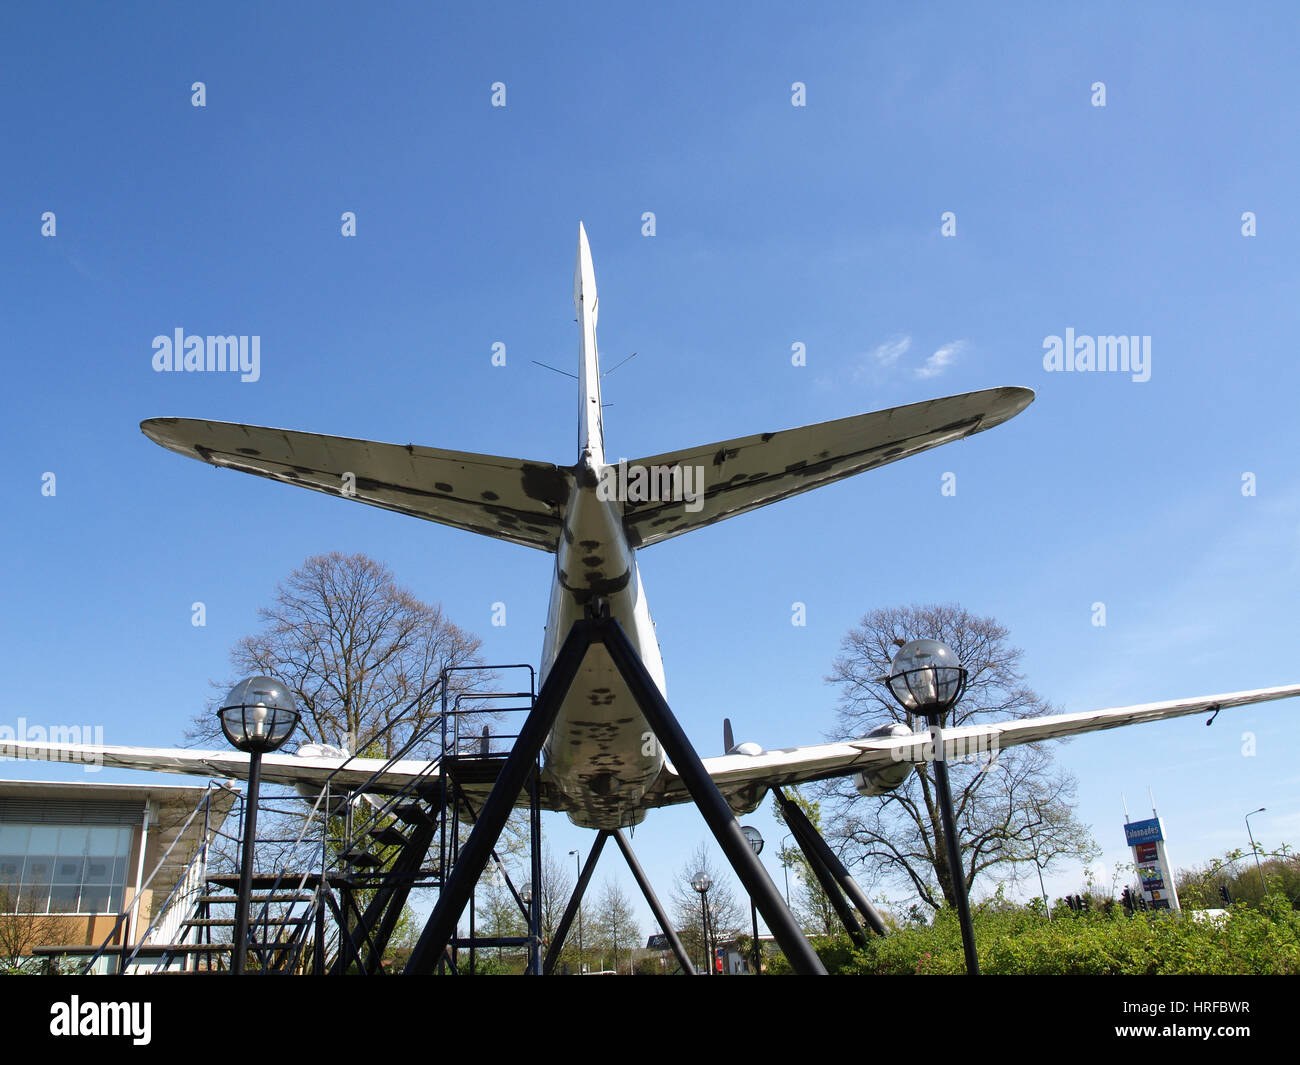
column 1253, row 849
column 785, row 866
column 755, row 840
column 701, row 883
column 577, row 864
column 927, row 679
column 258, row 716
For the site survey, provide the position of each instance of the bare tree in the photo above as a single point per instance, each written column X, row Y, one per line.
column 727, row 914
column 354, row 648
column 616, row 927
column 1013, row 812
column 21, row 932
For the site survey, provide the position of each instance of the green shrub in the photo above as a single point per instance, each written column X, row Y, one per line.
column 1261, row 939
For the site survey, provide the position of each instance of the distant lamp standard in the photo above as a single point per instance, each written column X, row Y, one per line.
column 1255, row 850
column 755, row 840
column 526, row 897
column 577, row 862
column 701, row 883
column 257, row 717
column 785, row 865
column 927, row 679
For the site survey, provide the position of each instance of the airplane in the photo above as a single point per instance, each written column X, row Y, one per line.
column 593, row 517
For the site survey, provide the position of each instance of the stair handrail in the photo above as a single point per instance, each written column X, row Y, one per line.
column 212, row 788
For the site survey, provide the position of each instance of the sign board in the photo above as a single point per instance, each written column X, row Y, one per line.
column 1155, row 874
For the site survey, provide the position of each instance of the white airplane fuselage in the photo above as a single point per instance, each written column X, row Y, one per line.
column 600, row 754
column 603, row 766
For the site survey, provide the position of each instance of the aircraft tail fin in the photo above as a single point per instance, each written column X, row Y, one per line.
column 508, row 499
column 717, row 481
column 586, row 304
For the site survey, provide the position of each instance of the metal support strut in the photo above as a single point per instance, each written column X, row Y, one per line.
column 822, row 859
column 575, row 900
column 459, row 885
column 664, row 924
column 721, row 821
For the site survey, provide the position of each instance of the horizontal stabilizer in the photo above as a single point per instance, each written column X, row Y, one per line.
column 753, row 471
column 508, row 499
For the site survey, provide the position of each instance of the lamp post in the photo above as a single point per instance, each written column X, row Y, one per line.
column 1030, row 825
column 258, row 716
column 577, row 862
column 526, row 897
column 701, row 883
column 785, row 867
column 927, row 679
column 1253, row 849
column 755, row 839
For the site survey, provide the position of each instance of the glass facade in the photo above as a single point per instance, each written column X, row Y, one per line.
column 47, row 868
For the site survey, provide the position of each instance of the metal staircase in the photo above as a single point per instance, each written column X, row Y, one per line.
column 338, row 894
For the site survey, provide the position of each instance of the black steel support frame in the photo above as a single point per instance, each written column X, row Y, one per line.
column 459, row 886
column 580, row 889
column 717, row 813
column 831, row 873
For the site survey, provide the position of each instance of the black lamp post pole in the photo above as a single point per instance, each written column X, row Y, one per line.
column 704, row 929
column 246, row 865
column 955, row 874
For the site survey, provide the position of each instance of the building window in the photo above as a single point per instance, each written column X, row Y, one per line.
column 63, row 868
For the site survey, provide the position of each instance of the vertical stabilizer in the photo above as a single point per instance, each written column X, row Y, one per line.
column 591, row 433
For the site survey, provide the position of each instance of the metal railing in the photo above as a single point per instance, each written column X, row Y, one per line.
column 199, row 861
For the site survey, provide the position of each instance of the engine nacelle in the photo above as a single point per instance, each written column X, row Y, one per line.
column 885, row 778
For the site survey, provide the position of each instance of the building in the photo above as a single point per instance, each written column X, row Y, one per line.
column 75, row 857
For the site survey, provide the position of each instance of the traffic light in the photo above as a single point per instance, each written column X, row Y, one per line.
column 1225, row 895
column 1127, row 899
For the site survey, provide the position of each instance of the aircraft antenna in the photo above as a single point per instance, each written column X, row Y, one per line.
column 556, row 369
column 618, row 364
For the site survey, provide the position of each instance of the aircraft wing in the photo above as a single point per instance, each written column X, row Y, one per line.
column 508, row 499
column 746, row 778
column 753, row 471
column 308, row 775
column 276, row 768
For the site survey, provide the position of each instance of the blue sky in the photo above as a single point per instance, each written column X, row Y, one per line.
column 775, row 225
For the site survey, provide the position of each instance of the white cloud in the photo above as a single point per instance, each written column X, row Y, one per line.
column 888, row 353
column 941, row 359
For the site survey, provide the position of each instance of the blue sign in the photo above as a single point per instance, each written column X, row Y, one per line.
column 1143, row 832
